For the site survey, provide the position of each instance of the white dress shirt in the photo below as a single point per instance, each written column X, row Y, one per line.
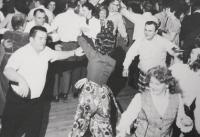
column 31, row 24
column 151, row 52
column 139, row 21
column 188, row 81
column 68, row 25
column 92, row 28
column 119, row 24
column 32, row 66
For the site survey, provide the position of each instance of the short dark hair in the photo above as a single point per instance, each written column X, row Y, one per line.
column 135, row 7
column 47, row 2
column 177, row 7
column 35, row 29
column 148, row 6
column 152, row 23
column 103, row 8
column 90, row 7
column 18, row 21
column 38, row 10
column 195, row 66
column 71, row 3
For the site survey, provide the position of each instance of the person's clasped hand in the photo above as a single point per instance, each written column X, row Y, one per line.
column 79, row 52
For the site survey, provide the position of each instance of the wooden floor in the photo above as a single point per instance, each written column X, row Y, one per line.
column 60, row 117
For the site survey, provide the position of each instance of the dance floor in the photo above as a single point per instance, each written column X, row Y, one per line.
column 58, row 117
column 61, row 114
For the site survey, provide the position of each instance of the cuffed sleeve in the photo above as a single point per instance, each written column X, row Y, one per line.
column 130, row 55
column 183, row 121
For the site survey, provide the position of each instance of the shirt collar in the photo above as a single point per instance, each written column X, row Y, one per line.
column 147, row 14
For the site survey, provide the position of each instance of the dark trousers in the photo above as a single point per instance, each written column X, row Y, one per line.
column 69, row 71
column 21, row 116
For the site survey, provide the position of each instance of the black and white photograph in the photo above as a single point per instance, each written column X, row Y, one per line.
column 99, row 68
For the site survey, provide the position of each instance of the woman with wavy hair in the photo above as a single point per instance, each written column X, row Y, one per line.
column 155, row 110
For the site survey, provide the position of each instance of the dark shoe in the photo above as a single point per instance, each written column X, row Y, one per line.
column 76, row 93
column 64, row 96
column 56, row 99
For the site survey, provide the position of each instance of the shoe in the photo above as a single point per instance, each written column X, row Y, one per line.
column 56, row 99
column 76, row 93
column 65, row 96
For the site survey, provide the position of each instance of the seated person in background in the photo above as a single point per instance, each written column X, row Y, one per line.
column 156, row 109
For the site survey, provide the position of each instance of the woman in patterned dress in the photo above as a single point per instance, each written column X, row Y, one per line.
column 94, row 108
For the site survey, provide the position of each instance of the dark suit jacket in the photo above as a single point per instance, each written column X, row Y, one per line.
column 189, row 24
column 189, row 30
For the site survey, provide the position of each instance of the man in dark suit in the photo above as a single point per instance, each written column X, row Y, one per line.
column 188, row 26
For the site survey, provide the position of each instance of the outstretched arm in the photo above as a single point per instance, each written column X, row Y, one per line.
column 60, row 55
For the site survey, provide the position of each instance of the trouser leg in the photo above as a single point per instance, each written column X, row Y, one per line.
column 142, row 83
column 66, row 76
column 34, row 121
column 76, row 75
column 14, row 115
column 21, row 115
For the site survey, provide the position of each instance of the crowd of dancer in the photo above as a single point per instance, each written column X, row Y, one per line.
column 88, row 46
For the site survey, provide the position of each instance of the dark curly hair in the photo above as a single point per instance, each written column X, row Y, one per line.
column 163, row 75
column 195, row 66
